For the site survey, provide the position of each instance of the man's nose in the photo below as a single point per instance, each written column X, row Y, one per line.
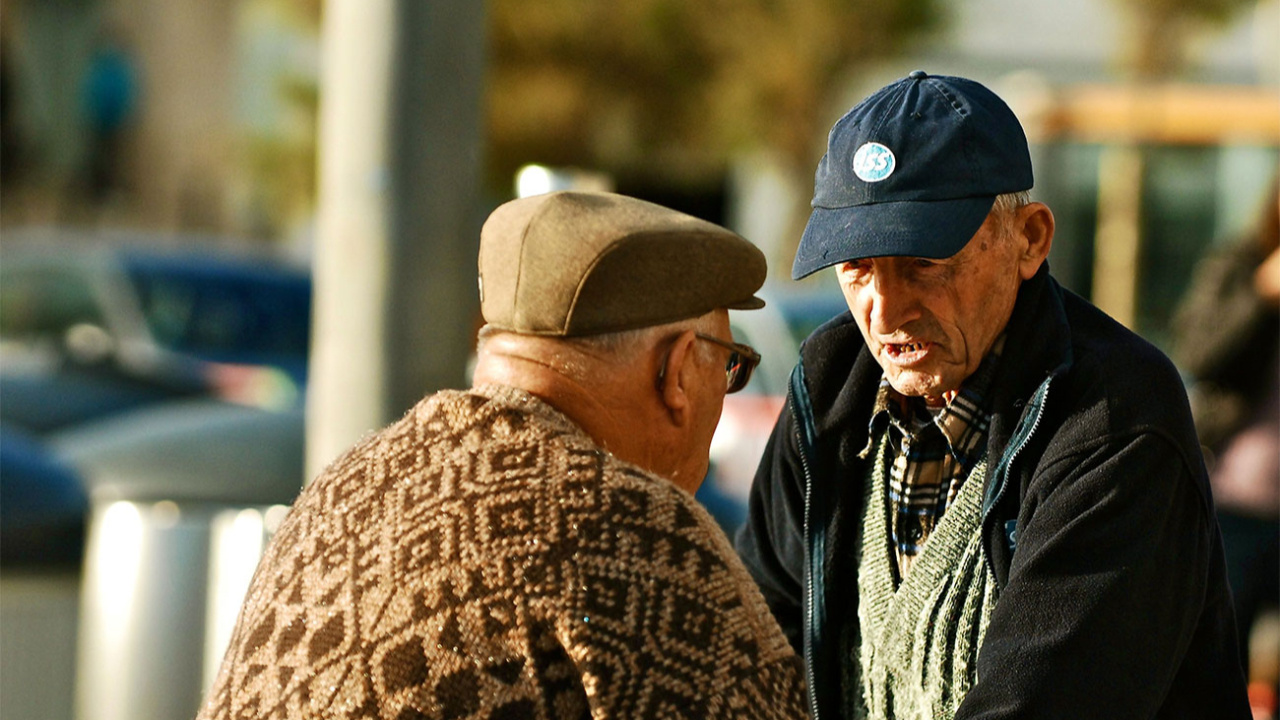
column 893, row 301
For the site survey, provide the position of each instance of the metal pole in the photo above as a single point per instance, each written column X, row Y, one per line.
column 395, row 290
column 437, row 130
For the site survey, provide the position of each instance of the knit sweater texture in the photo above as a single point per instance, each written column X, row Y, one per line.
column 916, row 647
column 483, row 558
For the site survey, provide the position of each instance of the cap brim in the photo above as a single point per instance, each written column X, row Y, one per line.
column 751, row 303
column 915, row 228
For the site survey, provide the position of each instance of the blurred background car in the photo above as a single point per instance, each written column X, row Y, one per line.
column 95, row 328
column 42, row 506
column 91, row 327
column 775, row 331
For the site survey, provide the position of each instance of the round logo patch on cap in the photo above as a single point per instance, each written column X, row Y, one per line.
column 873, row 162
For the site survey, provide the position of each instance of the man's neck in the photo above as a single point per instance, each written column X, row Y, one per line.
column 609, row 409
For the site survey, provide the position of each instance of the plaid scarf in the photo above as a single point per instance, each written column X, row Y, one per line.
column 931, row 452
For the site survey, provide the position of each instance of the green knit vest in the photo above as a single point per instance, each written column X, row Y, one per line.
column 914, row 651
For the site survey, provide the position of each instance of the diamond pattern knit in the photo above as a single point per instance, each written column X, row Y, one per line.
column 483, row 558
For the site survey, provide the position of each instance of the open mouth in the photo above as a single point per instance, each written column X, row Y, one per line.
column 907, row 352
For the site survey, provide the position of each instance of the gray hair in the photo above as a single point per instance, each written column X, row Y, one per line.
column 1006, row 207
column 629, row 343
column 620, row 346
column 1011, row 202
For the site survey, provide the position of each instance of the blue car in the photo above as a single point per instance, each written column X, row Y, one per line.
column 89, row 332
column 97, row 334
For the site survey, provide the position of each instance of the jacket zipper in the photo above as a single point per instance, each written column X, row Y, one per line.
column 1041, row 394
column 802, row 441
column 812, row 539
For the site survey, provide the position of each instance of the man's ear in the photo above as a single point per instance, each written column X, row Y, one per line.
column 673, row 383
column 1035, row 223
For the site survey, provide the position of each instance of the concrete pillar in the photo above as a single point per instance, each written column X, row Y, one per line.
column 400, row 125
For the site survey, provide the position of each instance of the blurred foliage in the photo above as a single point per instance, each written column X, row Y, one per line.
column 311, row 10
column 1158, row 42
column 279, row 146
column 282, row 167
column 676, row 87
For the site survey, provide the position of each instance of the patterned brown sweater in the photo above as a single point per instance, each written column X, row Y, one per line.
column 483, row 558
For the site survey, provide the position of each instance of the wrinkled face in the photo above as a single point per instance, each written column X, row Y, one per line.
column 929, row 323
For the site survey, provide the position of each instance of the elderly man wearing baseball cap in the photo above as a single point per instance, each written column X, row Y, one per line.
column 984, row 497
column 530, row 548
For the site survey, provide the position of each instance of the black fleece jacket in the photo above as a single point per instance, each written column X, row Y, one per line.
column 1097, row 523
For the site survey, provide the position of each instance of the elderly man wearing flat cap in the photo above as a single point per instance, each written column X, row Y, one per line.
column 984, row 498
column 530, row 548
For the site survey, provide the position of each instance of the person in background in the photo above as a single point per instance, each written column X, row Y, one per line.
column 530, row 548
column 109, row 99
column 984, row 498
column 1227, row 338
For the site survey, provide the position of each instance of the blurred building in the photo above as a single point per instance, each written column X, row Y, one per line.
column 165, row 114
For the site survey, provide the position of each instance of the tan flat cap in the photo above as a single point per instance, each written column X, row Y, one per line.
column 585, row 263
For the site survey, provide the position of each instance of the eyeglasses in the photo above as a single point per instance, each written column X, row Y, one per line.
column 742, row 360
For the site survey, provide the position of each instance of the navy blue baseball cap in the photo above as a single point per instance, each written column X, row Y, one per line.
column 913, row 170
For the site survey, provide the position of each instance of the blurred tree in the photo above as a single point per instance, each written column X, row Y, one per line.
column 630, row 87
column 279, row 89
column 1162, row 28
column 1158, row 49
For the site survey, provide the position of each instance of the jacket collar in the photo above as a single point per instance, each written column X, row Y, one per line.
column 1039, row 346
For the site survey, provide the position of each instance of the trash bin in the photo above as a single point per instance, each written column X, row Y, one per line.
column 182, row 500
